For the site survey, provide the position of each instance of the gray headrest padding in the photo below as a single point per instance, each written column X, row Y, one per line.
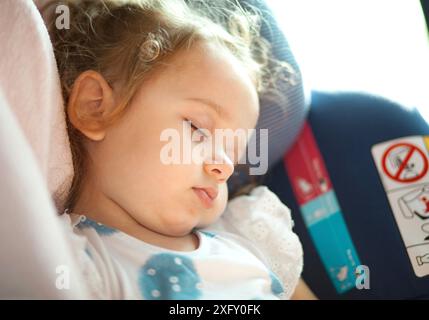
column 285, row 116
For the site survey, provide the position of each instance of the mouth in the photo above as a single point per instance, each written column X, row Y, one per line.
column 206, row 195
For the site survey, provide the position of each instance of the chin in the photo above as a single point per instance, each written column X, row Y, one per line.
column 176, row 228
column 178, row 232
column 209, row 220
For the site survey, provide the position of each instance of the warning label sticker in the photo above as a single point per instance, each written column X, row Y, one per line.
column 403, row 168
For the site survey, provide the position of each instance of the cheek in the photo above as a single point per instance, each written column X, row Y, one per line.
column 136, row 165
column 223, row 199
column 125, row 157
column 224, row 195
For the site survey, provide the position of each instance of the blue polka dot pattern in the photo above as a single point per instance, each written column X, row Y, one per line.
column 168, row 276
column 100, row 228
column 276, row 286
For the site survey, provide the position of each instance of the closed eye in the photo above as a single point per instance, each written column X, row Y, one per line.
column 195, row 128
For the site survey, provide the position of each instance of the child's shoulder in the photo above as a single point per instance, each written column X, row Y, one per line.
column 260, row 205
column 266, row 222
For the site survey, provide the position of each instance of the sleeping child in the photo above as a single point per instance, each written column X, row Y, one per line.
column 149, row 222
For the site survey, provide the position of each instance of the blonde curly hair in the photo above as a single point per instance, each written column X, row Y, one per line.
column 127, row 40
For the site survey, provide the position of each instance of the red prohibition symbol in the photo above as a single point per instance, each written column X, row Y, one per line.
column 402, row 166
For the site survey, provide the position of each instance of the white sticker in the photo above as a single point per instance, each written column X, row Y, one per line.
column 403, row 167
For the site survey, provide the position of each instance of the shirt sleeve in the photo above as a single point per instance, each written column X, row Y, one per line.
column 264, row 220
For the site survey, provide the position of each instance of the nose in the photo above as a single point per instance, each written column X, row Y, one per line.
column 220, row 169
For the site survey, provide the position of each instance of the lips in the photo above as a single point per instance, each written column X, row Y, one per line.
column 207, row 195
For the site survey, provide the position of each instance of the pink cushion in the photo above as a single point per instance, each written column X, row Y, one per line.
column 30, row 83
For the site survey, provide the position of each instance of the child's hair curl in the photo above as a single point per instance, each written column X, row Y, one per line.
column 127, row 40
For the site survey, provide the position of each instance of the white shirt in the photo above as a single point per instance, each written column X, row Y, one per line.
column 250, row 253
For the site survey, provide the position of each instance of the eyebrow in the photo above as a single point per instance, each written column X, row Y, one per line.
column 214, row 106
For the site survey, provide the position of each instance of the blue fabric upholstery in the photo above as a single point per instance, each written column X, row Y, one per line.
column 346, row 126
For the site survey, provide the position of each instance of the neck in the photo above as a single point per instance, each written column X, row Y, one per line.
column 97, row 206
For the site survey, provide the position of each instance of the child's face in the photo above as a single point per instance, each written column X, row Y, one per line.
column 127, row 164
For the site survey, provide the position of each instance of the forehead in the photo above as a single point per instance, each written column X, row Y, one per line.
column 210, row 74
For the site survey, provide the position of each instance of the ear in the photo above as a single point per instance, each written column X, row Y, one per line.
column 90, row 101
